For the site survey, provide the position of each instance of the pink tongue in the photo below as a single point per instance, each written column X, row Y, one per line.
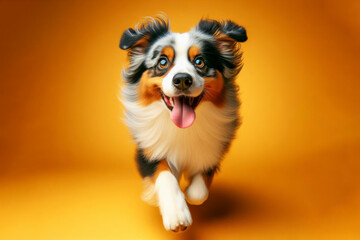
column 182, row 114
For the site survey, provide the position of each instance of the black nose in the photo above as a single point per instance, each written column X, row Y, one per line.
column 182, row 81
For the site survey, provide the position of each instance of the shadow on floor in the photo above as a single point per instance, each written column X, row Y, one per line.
column 226, row 205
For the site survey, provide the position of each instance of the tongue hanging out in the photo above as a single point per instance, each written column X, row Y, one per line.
column 182, row 109
column 182, row 114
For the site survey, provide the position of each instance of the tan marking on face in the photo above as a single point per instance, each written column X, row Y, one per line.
column 214, row 89
column 169, row 52
column 149, row 89
column 193, row 52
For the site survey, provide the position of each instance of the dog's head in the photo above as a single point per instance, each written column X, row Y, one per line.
column 182, row 69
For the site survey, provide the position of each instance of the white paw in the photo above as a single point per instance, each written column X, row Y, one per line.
column 173, row 208
column 197, row 192
column 175, row 213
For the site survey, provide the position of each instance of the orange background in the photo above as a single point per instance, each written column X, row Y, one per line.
column 66, row 159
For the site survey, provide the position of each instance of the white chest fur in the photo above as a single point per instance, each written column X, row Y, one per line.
column 193, row 149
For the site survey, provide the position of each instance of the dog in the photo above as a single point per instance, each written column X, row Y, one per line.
column 181, row 107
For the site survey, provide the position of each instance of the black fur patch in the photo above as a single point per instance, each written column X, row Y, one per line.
column 234, row 31
column 208, row 26
column 129, row 38
column 145, row 167
column 229, row 28
column 214, row 59
column 135, row 77
column 212, row 56
column 211, row 171
column 152, row 29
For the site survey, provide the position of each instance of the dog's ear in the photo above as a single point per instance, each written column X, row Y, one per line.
column 227, row 35
column 225, row 32
column 145, row 32
column 233, row 31
column 130, row 38
column 208, row 26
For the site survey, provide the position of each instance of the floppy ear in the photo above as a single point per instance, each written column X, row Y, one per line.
column 132, row 38
column 233, row 31
column 208, row 26
column 129, row 38
column 229, row 34
column 146, row 31
column 226, row 35
column 222, row 31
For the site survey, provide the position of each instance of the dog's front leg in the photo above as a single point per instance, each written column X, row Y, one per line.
column 173, row 208
column 198, row 190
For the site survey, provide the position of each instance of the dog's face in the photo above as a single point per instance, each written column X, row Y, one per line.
column 182, row 70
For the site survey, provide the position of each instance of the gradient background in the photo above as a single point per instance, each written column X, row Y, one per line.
column 66, row 159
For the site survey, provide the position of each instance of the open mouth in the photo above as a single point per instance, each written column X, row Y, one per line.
column 182, row 109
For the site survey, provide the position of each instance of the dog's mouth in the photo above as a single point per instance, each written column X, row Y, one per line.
column 182, row 109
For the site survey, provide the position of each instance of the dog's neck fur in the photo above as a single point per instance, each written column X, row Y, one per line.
column 194, row 149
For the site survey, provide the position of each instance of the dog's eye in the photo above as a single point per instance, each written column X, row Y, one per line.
column 199, row 62
column 163, row 63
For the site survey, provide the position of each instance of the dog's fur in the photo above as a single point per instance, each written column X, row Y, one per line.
column 172, row 77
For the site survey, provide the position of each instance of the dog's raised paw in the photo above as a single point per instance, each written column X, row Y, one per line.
column 173, row 208
column 181, row 228
column 197, row 192
column 175, row 213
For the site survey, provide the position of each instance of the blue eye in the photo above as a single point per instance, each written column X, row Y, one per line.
column 163, row 62
column 199, row 62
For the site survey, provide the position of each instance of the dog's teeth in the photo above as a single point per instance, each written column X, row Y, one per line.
column 172, row 102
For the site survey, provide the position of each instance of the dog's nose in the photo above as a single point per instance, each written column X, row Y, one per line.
column 182, row 81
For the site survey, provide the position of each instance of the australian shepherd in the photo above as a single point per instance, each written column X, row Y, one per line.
column 182, row 108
